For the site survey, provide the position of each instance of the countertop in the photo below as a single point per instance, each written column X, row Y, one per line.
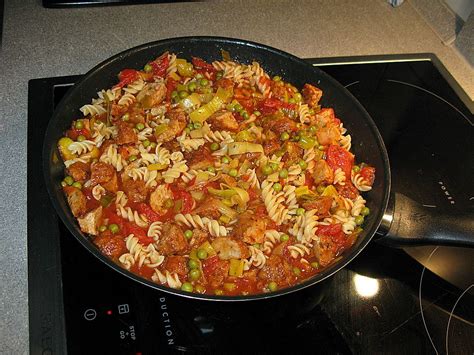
column 39, row 42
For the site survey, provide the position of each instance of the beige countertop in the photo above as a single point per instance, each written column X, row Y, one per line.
column 39, row 42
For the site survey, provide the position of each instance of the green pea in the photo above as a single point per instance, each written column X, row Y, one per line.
column 356, row 168
column 186, row 286
column 197, row 125
column 201, row 254
column 257, row 113
column 214, row 146
column 359, row 220
column 140, row 126
column 283, row 173
column 114, row 228
column 132, row 158
column 284, row 237
column 192, row 86
column 169, row 203
column 276, row 78
column 199, row 76
column 126, row 117
column 284, row 136
column 190, row 126
column 204, row 82
column 238, row 107
column 102, row 228
column 174, row 94
column 365, row 211
column 267, row 169
column 298, row 97
column 296, row 137
column 194, row 274
column 233, row 172
column 211, row 169
column 303, row 164
column 300, row 211
column 183, row 94
column 193, row 264
column 218, row 292
column 320, row 189
column 245, row 115
column 312, row 129
column 153, row 145
column 274, row 166
column 219, row 75
column 146, row 143
column 79, row 125
column 225, row 160
column 188, row 233
column 315, row 264
column 81, row 138
column 230, row 107
column 277, row 187
column 297, row 271
column 69, row 180
column 77, row 185
column 272, row 286
column 187, row 130
column 291, row 101
column 147, row 68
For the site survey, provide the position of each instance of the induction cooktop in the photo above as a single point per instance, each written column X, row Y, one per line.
column 387, row 300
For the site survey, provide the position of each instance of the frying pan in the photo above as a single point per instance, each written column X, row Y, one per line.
column 399, row 220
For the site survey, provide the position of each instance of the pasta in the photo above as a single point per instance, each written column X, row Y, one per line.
column 215, row 178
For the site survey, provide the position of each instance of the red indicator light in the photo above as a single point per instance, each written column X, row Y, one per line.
column 109, row 312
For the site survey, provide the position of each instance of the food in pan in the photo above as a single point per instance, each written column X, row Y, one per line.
column 214, row 177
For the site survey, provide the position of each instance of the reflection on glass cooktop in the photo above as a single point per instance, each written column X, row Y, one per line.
column 383, row 302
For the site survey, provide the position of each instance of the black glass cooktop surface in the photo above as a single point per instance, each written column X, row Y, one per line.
column 385, row 301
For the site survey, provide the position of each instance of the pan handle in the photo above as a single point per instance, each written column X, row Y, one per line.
column 407, row 223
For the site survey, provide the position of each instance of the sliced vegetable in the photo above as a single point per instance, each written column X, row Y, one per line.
column 331, row 191
column 156, row 166
column 304, row 192
column 190, row 102
column 204, row 112
column 184, row 68
column 63, row 145
column 236, row 267
column 235, row 148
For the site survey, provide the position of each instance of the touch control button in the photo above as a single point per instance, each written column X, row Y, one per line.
column 90, row 314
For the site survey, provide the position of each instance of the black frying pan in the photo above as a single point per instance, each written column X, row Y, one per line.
column 399, row 219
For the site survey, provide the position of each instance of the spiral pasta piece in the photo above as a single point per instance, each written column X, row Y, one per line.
column 339, row 177
column 167, row 278
column 132, row 216
column 81, row 147
column 272, row 237
column 149, row 177
column 360, row 183
column 196, row 221
column 98, row 191
column 111, row 156
column 92, row 110
column 257, row 258
column 154, row 230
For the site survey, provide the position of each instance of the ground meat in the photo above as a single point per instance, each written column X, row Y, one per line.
column 324, row 250
column 328, row 135
column 77, row 201
column 101, row 173
column 209, row 208
column 311, row 95
column 280, row 124
column 322, row 173
column 293, row 152
column 198, row 238
column 229, row 248
column 89, row 223
column 79, row 171
column 278, row 270
column 126, row 134
column 250, row 228
column 135, row 190
column 158, row 198
column 321, row 204
column 215, row 271
column 172, row 240
column 110, row 245
column 199, row 159
column 176, row 264
column 223, row 120
column 271, row 146
column 112, row 184
column 175, row 127
column 152, row 95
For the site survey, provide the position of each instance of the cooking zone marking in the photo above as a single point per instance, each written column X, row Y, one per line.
column 166, row 321
column 446, row 192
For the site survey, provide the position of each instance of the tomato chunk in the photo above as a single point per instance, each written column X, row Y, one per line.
column 338, row 157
